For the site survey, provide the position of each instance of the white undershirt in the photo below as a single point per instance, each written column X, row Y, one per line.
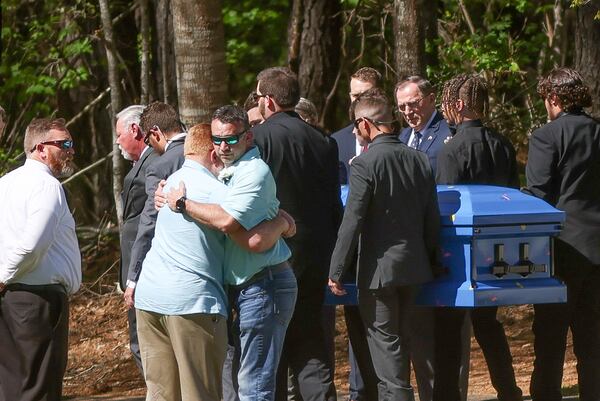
column 425, row 128
column 38, row 244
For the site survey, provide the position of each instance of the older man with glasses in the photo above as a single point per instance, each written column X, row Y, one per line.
column 427, row 130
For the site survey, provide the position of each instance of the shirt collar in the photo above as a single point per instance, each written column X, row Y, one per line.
column 174, row 138
column 426, row 125
column 38, row 165
column 250, row 154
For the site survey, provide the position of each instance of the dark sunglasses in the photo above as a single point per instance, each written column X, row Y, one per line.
column 374, row 122
column 63, row 144
column 229, row 140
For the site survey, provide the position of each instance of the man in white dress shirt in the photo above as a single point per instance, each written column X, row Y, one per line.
column 40, row 265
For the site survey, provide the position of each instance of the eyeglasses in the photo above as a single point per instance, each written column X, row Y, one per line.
column 402, row 106
column 64, row 144
column 229, row 140
column 256, row 96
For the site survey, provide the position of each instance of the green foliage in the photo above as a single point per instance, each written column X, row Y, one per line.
column 43, row 46
column 255, row 39
column 8, row 161
column 508, row 48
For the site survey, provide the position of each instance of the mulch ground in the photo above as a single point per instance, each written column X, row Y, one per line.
column 100, row 362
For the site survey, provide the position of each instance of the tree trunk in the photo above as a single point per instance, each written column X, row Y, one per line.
column 587, row 51
column 294, row 36
column 115, row 103
column 163, row 64
column 145, row 56
column 409, row 37
column 314, row 53
column 200, row 58
column 429, row 20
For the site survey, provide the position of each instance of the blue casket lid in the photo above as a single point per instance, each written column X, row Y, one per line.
column 482, row 205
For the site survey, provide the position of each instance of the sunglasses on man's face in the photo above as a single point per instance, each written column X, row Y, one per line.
column 229, row 140
column 63, row 144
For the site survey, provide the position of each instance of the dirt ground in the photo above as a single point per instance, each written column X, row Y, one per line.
column 100, row 362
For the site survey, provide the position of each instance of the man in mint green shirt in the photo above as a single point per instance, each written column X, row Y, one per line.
column 180, row 298
column 262, row 285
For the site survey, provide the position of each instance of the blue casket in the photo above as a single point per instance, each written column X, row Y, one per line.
column 496, row 246
column 496, row 249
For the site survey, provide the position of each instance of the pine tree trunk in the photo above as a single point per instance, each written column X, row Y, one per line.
column 145, row 56
column 409, row 38
column 200, row 58
column 314, row 50
column 115, row 103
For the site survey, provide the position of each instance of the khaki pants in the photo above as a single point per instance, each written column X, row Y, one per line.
column 182, row 356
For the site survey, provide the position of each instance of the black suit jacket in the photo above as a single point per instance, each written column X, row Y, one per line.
column 564, row 169
column 346, row 143
column 392, row 214
column 159, row 169
column 433, row 138
column 133, row 198
column 477, row 155
column 305, row 167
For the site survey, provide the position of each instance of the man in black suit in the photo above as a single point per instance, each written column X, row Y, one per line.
column 163, row 131
column 306, row 175
column 564, row 169
column 362, row 80
column 427, row 130
column 130, row 139
column 474, row 155
column 392, row 191
column 362, row 380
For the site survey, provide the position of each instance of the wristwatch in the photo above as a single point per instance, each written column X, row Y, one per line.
column 180, row 204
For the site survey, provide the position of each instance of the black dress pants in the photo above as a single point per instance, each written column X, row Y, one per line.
column 34, row 324
column 384, row 313
column 550, row 325
column 489, row 333
column 304, row 348
column 362, row 371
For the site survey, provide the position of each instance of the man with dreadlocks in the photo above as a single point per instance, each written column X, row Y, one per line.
column 475, row 155
column 564, row 170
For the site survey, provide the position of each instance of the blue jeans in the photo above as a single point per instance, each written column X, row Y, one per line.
column 264, row 310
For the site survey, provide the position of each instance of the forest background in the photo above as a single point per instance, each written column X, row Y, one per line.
column 84, row 60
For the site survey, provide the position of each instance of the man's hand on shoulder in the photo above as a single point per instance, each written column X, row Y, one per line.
column 175, row 194
column 159, row 196
column 291, row 231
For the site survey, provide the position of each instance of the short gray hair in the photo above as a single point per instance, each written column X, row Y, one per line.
column 423, row 84
column 131, row 115
column 307, row 111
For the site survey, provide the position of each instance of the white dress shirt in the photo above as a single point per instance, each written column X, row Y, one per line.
column 38, row 244
column 411, row 138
